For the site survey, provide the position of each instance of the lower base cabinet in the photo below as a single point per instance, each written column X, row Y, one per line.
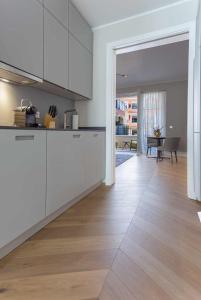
column 75, row 163
column 94, row 158
column 65, row 175
column 41, row 171
column 22, row 181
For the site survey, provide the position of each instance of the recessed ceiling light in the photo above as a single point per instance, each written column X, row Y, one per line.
column 4, row 80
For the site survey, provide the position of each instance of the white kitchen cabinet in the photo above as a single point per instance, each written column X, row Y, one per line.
column 21, row 35
column 65, row 168
column 80, row 54
column 59, row 9
column 22, row 181
column 80, row 28
column 94, row 158
column 55, row 51
column 80, row 68
column 75, row 163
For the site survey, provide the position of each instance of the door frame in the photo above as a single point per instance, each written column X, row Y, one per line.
column 189, row 28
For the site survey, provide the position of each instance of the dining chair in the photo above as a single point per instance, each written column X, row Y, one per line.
column 151, row 143
column 171, row 145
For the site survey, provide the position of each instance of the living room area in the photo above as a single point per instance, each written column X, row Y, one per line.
column 151, row 102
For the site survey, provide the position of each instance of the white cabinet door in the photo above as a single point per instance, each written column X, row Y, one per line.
column 55, row 51
column 79, row 28
column 21, row 35
column 22, row 181
column 65, row 168
column 59, row 9
column 80, row 68
column 94, row 158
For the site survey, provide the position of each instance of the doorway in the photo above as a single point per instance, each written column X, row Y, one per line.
column 126, row 127
column 149, row 41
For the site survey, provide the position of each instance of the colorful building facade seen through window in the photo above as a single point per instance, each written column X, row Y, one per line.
column 127, row 115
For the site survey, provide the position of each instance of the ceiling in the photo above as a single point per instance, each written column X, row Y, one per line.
column 154, row 65
column 101, row 12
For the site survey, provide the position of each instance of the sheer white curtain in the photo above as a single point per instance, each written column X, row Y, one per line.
column 153, row 115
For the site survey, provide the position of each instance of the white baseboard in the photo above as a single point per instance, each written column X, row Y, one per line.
column 30, row 232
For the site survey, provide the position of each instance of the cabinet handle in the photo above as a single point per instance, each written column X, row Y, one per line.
column 24, row 137
column 76, row 136
column 95, row 134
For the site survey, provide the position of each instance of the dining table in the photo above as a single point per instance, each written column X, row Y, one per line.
column 159, row 141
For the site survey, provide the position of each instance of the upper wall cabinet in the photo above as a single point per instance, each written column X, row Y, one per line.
column 59, row 8
column 49, row 39
column 80, row 68
column 55, row 51
column 80, row 28
column 21, row 35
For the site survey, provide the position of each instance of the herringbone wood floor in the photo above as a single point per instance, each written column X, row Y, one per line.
column 139, row 240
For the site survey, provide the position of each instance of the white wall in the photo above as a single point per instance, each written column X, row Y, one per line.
column 11, row 95
column 93, row 113
column 176, row 107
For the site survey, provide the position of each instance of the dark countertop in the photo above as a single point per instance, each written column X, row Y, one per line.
column 55, row 129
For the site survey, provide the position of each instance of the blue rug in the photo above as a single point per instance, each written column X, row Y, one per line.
column 121, row 158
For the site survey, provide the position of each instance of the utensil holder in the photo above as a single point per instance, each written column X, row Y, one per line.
column 20, row 114
column 20, row 118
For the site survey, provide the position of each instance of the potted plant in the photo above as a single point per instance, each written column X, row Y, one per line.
column 157, row 131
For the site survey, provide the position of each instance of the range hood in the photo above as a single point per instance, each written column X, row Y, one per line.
column 15, row 76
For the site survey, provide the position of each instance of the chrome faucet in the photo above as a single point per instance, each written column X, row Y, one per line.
column 67, row 118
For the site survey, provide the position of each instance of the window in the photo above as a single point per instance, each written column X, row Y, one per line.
column 134, row 119
column 134, row 105
column 153, row 115
column 134, row 131
column 126, row 115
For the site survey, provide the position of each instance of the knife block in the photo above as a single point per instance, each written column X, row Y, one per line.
column 49, row 122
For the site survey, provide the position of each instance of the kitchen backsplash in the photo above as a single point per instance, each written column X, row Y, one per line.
column 11, row 95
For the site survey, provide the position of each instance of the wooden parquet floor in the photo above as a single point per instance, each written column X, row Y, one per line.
column 137, row 240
